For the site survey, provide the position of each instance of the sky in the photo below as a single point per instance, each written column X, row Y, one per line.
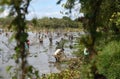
column 44, row 8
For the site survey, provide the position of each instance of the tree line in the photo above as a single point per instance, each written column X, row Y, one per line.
column 54, row 23
column 45, row 22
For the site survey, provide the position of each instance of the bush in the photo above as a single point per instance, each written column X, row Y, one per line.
column 108, row 62
column 66, row 74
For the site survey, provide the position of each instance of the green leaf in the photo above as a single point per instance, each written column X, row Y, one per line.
column 58, row 2
column 14, row 77
column 30, row 69
column 8, row 68
column 37, row 73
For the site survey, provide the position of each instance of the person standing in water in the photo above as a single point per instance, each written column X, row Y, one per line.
column 27, row 44
column 86, row 54
column 50, row 37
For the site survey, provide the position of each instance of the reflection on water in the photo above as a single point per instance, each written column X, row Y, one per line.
column 41, row 54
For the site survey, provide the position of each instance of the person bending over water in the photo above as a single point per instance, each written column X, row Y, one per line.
column 58, row 54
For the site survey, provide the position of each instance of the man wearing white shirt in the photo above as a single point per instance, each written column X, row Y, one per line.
column 58, row 54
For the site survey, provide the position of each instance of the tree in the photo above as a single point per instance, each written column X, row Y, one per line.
column 54, row 23
column 97, row 15
column 19, row 8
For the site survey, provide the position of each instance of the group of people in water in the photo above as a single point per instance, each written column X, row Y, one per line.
column 51, row 36
column 59, row 50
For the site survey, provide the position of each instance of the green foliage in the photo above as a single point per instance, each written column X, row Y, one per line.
column 109, row 60
column 86, row 40
column 66, row 74
column 8, row 68
column 13, row 71
column 18, row 10
column 114, row 24
column 117, row 19
column 101, row 19
column 24, row 37
column 86, row 71
column 46, row 22
column 3, row 2
column 5, row 22
column 34, row 21
column 80, row 48
column 32, row 72
column 1, row 9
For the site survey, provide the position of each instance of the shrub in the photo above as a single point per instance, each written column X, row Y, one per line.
column 108, row 62
column 66, row 74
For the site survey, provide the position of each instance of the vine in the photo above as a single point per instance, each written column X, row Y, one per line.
column 19, row 8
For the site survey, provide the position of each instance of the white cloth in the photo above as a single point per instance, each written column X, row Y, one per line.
column 57, row 52
column 86, row 51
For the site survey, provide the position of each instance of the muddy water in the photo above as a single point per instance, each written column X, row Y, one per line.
column 40, row 54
